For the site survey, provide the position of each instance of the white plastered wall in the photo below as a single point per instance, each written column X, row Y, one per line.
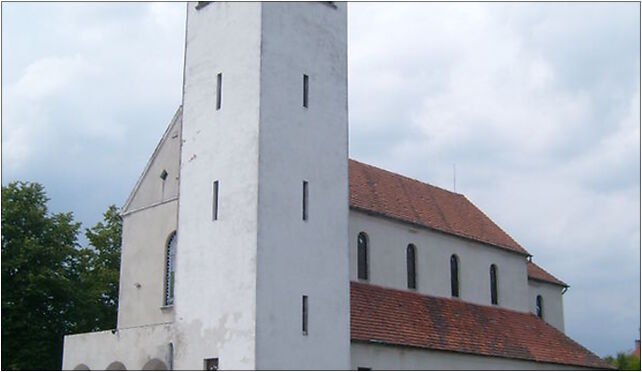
column 150, row 188
column 142, row 273
column 388, row 240
column 133, row 347
column 149, row 218
column 553, row 306
column 387, row 357
column 297, row 257
column 215, row 291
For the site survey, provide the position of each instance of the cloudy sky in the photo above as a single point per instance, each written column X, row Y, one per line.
column 537, row 104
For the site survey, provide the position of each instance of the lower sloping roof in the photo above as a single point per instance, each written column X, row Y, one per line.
column 535, row 272
column 405, row 318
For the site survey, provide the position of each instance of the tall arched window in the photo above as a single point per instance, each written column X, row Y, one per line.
column 454, row 276
column 362, row 259
column 539, row 306
column 493, row 284
column 170, row 268
column 411, row 266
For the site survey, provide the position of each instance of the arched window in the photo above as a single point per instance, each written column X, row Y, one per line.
column 539, row 307
column 170, row 268
column 362, row 259
column 493, row 284
column 454, row 276
column 411, row 266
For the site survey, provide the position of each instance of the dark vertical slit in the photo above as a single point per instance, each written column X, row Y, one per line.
column 215, row 201
column 304, row 325
column 305, row 200
column 219, row 92
column 306, row 85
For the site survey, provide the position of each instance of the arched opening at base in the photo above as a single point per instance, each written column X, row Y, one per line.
column 155, row 365
column 81, row 367
column 116, row 366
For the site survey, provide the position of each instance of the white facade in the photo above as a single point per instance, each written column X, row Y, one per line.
column 149, row 218
column 387, row 357
column 246, row 258
column 552, row 304
column 215, row 298
column 295, row 255
column 387, row 242
column 260, row 143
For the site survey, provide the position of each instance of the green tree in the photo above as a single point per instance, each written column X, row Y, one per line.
column 39, row 260
column 624, row 362
column 50, row 286
column 99, row 273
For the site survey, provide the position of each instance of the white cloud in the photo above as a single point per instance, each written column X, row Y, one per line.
column 49, row 76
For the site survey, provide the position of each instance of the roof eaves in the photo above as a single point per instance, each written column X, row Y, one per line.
column 459, row 235
column 558, row 283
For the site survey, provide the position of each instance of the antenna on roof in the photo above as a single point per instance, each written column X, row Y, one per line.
column 454, row 177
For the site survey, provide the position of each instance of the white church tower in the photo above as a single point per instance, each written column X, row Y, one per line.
column 262, row 271
column 236, row 236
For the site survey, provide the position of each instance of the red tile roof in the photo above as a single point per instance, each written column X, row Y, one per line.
column 537, row 273
column 378, row 191
column 406, row 318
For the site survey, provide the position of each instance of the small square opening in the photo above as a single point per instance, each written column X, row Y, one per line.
column 210, row 364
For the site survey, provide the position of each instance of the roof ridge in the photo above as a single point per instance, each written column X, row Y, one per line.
column 406, row 177
column 443, row 231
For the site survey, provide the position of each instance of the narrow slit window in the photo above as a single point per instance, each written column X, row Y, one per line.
column 454, row 276
column 163, row 177
column 539, row 307
column 215, row 201
column 219, row 90
column 306, row 88
column 305, row 201
column 362, row 256
column 411, row 266
column 493, row 284
column 170, row 268
column 304, row 313
column 170, row 356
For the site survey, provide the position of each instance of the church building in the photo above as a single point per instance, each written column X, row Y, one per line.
column 252, row 241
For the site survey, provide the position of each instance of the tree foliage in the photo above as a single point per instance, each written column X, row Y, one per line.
column 51, row 286
column 624, row 362
column 100, row 271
